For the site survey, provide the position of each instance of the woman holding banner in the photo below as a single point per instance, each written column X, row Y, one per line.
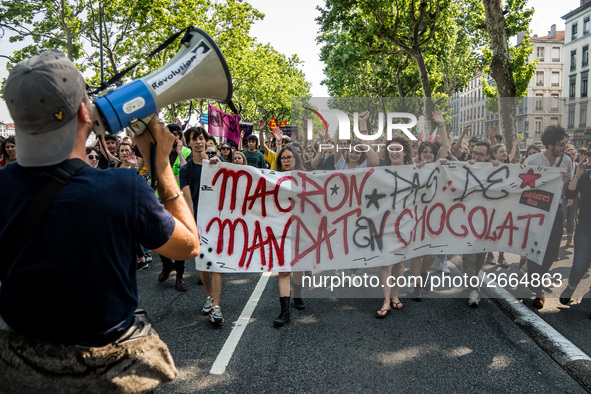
column 287, row 160
column 428, row 152
column 398, row 153
column 499, row 153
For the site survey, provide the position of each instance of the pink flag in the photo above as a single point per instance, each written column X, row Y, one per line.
column 221, row 124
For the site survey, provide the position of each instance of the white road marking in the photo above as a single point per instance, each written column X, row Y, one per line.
column 221, row 362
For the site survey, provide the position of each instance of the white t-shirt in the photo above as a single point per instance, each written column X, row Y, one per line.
column 539, row 159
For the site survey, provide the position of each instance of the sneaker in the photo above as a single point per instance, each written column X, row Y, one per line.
column 356, row 281
column 142, row 264
column 215, row 315
column 474, row 299
column 443, row 267
column 207, row 306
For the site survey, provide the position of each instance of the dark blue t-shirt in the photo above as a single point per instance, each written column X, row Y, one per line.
column 74, row 281
column 194, row 186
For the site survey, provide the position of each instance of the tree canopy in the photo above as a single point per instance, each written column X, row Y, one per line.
column 264, row 79
column 401, row 48
column 406, row 48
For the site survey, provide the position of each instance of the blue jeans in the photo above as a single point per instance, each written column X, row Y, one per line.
column 582, row 253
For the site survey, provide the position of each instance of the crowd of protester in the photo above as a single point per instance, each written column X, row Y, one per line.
column 279, row 152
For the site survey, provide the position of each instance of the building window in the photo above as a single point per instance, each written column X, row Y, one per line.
column 586, row 25
column 554, row 103
column 584, row 79
column 571, row 117
column 555, row 78
column 583, row 116
column 585, row 56
column 539, row 102
column 539, row 121
column 572, row 87
column 573, row 60
column 539, row 78
column 574, row 29
column 555, row 54
column 540, row 53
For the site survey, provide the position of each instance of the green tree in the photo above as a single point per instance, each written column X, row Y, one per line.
column 133, row 29
column 508, row 65
column 50, row 24
column 419, row 30
column 459, row 57
column 266, row 81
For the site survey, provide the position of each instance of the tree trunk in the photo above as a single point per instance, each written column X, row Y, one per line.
column 428, row 105
column 501, row 69
column 67, row 31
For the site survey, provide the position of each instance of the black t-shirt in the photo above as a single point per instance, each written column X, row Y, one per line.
column 104, row 163
column 74, row 281
column 194, row 185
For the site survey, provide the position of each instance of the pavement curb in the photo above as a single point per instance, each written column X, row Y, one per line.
column 572, row 359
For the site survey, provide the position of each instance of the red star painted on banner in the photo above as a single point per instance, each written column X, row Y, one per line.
column 529, row 179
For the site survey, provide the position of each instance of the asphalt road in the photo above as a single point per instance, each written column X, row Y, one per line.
column 336, row 345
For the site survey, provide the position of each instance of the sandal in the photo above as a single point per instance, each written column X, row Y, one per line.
column 384, row 313
column 396, row 305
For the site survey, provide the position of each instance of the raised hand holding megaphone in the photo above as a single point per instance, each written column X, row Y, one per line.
column 198, row 70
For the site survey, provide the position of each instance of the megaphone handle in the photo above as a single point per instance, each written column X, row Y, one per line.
column 138, row 126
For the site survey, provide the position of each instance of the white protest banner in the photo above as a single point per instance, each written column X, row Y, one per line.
column 253, row 220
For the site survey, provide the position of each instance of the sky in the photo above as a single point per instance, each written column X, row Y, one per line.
column 290, row 27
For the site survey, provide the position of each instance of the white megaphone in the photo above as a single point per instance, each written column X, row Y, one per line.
column 198, row 70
